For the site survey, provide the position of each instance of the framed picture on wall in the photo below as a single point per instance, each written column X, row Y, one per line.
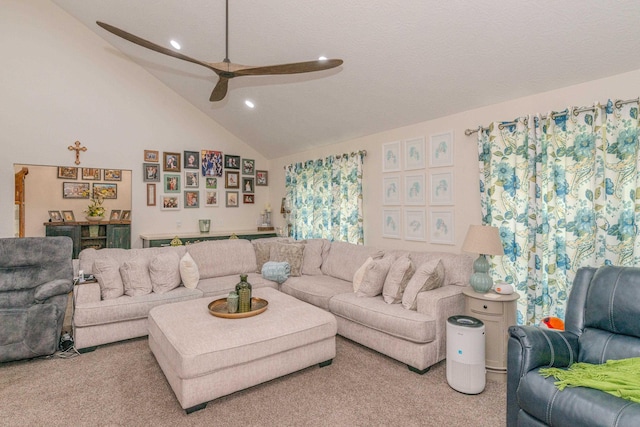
column 107, row 191
column 414, row 153
column 191, row 179
column 441, row 188
column 232, row 199
column 248, row 167
column 248, row 198
column 211, row 163
column 151, row 172
column 151, row 156
column 414, row 189
column 262, row 178
column 231, row 179
column 391, row 157
column 441, row 226
column 191, row 199
column 248, row 185
column 171, row 162
column 191, row 160
column 441, row 150
column 113, row 174
column 231, row 162
column 171, row 183
column 67, row 173
column 91, row 174
column 391, row 190
column 75, row 190
column 211, row 198
column 210, row 182
column 151, row 194
column 169, row 202
column 391, row 223
column 415, row 225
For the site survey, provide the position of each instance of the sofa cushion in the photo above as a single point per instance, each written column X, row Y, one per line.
column 396, row 281
column 221, row 286
column 216, row 258
column 374, row 276
column 391, row 319
column 457, row 267
column 107, row 273
column 164, row 270
column 288, row 252
column 135, row 277
column 315, row 252
column 358, row 276
column 316, row 290
column 189, row 273
column 343, row 259
column 87, row 257
column 428, row 276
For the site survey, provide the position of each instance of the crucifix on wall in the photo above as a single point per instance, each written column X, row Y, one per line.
column 77, row 149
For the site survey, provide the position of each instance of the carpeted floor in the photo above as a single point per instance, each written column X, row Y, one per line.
column 122, row 385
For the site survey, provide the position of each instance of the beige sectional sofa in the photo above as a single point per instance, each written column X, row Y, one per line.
column 326, row 280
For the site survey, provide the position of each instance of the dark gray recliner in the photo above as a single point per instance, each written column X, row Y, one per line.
column 36, row 276
column 602, row 323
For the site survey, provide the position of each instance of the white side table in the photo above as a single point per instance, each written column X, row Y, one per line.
column 497, row 312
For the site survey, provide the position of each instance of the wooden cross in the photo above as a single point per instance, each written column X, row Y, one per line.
column 77, row 149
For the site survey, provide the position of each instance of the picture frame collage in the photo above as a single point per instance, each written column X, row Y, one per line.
column 182, row 175
column 407, row 190
column 81, row 183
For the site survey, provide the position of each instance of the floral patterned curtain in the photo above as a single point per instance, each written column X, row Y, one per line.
column 325, row 198
column 563, row 190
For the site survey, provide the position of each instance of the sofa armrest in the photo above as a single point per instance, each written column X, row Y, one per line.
column 440, row 304
column 50, row 289
column 531, row 347
column 86, row 293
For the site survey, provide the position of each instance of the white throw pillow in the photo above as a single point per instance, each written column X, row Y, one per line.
column 397, row 279
column 358, row 276
column 135, row 277
column 164, row 270
column 430, row 275
column 189, row 272
column 374, row 275
column 107, row 273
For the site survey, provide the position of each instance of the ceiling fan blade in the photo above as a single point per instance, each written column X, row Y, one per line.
column 293, row 68
column 220, row 91
column 149, row 45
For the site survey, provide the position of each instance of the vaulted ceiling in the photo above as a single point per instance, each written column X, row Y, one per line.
column 404, row 61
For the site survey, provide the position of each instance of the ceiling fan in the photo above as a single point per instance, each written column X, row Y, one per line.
column 226, row 69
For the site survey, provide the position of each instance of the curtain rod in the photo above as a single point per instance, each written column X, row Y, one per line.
column 337, row 156
column 619, row 103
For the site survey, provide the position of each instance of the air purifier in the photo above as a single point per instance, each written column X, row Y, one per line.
column 466, row 354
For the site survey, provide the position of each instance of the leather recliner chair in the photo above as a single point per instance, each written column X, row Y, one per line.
column 602, row 323
column 36, row 276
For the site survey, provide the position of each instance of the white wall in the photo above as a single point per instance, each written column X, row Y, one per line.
column 465, row 169
column 59, row 83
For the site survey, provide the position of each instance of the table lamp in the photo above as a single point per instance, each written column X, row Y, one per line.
column 483, row 240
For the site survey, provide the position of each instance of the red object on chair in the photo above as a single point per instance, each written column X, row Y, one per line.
column 552, row 323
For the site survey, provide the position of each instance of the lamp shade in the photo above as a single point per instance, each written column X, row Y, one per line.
column 483, row 239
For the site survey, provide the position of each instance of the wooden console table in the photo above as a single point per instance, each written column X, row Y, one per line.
column 157, row 240
column 108, row 234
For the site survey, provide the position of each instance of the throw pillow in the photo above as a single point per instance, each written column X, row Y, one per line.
column 430, row 275
column 164, row 270
column 263, row 252
column 107, row 273
column 374, row 276
column 399, row 275
column 135, row 277
column 189, row 272
column 288, row 252
column 314, row 252
column 358, row 276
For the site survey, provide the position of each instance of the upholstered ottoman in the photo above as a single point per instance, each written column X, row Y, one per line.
column 205, row 357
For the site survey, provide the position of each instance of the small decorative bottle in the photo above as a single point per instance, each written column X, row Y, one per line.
column 243, row 290
column 232, row 302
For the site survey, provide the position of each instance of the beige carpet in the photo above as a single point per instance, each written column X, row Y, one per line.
column 122, row 385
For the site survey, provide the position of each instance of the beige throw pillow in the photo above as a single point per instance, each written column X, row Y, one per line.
column 107, row 273
column 358, row 276
column 263, row 252
column 292, row 253
column 397, row 279
column 430, row 275
column 314, row 253
column 165, row 272
column 374, row 275
column 135, row 277
column 189, row 272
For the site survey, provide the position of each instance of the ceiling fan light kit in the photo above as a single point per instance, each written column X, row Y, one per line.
column 226, row 69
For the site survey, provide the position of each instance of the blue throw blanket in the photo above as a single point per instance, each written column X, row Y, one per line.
column 276, row 271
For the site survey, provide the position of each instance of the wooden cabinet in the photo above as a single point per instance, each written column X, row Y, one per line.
column 497, row 312
column 99, row 235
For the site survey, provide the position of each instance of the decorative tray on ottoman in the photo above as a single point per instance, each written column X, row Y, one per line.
column 219, row 308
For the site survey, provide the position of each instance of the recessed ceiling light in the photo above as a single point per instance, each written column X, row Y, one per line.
column 249, row 104
column 322, row 58
column 175, row 44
